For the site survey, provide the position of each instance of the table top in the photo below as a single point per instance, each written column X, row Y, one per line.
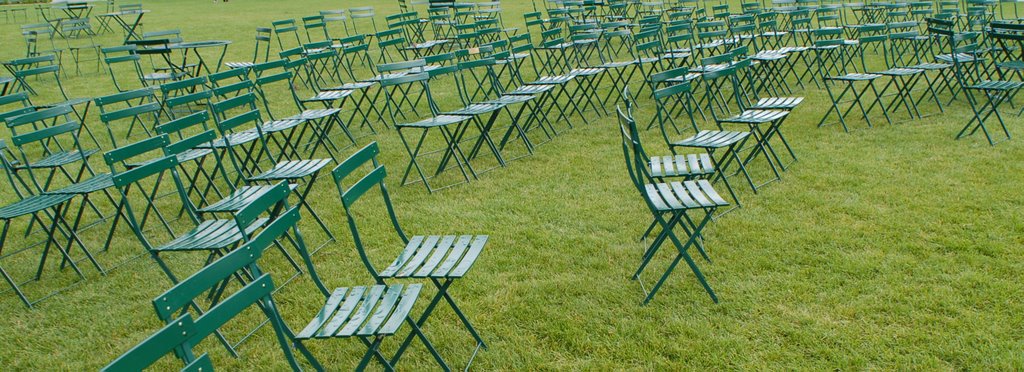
column 199, row 44
column 74, row 1
column 128, row 12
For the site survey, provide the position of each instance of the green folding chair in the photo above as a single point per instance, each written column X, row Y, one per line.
column 441, row 258
column 369, row 314
column 262, row 44
column 720, row 146
column 123, row 112
column 53, row 160
column 996, row 92
column 245, row 140
column 123, row 60
column 832, row 59
column 672, row 200
column 48, row 211
column 38, row 69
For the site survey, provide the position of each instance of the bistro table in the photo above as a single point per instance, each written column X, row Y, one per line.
column 191, row 49
column 129, row 27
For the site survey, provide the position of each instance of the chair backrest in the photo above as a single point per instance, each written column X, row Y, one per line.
column 146, row 178
column 275, row 77
column 256, row 293
column 285, row 30
column 315, row 28
column 628, row 146
column 123, row 55
column 43, row 133
column 35, row 69
column 669, row 102
column 395, row 89
column 133, row 108
column 15, row 104
column 257, row 157
column 174, row 337
column 185, row 96
column 364, row 158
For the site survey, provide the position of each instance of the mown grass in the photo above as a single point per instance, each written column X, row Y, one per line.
column 892, row 247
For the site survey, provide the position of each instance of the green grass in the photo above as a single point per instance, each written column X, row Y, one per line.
column 892, row 247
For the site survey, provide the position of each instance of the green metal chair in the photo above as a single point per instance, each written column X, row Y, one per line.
column 184, row 97
column 123, row 112
column 442, row 259
column 47, row 210
column 38, row 69
column 245, row 139
column 262, row 44
column 450, row 127
column 996, row 92
column 832, row 59
column 53, row 161
column 672, row 200
column 369, row 313
column 319, row 123
column 724, row 143
column 118, row 56
column 78, row 35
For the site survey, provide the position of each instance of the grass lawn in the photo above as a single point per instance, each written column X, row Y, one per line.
column 890, row 247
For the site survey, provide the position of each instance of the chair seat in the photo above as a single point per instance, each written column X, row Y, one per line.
column 675, row 55
column 712, row 139
column 315, row 114
column 792, row 49
column 855, row 77
column 477, row 109
column 552, row 80
column 239, row 64
column 436, row 121
column 996, row 85
column 683, row 195
column 329, row 96
column 1011, row 65
column 768, row 56
column 163, row 76
column 353, row 86
column 681, row 165
column 510, row 99
column 237, row 200
column 757, row 117
column 900, row 71
column 62, row 158
column 589, row 71
column 530, row 90
column 279, row 125
column 236, row 138
column 931, row 66
column 292, row 169
column 210, row 234
column 72, row 102
column 436, row 256
column 96, row 183
column 620, row 64
column 380, row 77
column 777, row 103
column 363, row 311
column 960, row 57
column 32, row 204
column 774, row 33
